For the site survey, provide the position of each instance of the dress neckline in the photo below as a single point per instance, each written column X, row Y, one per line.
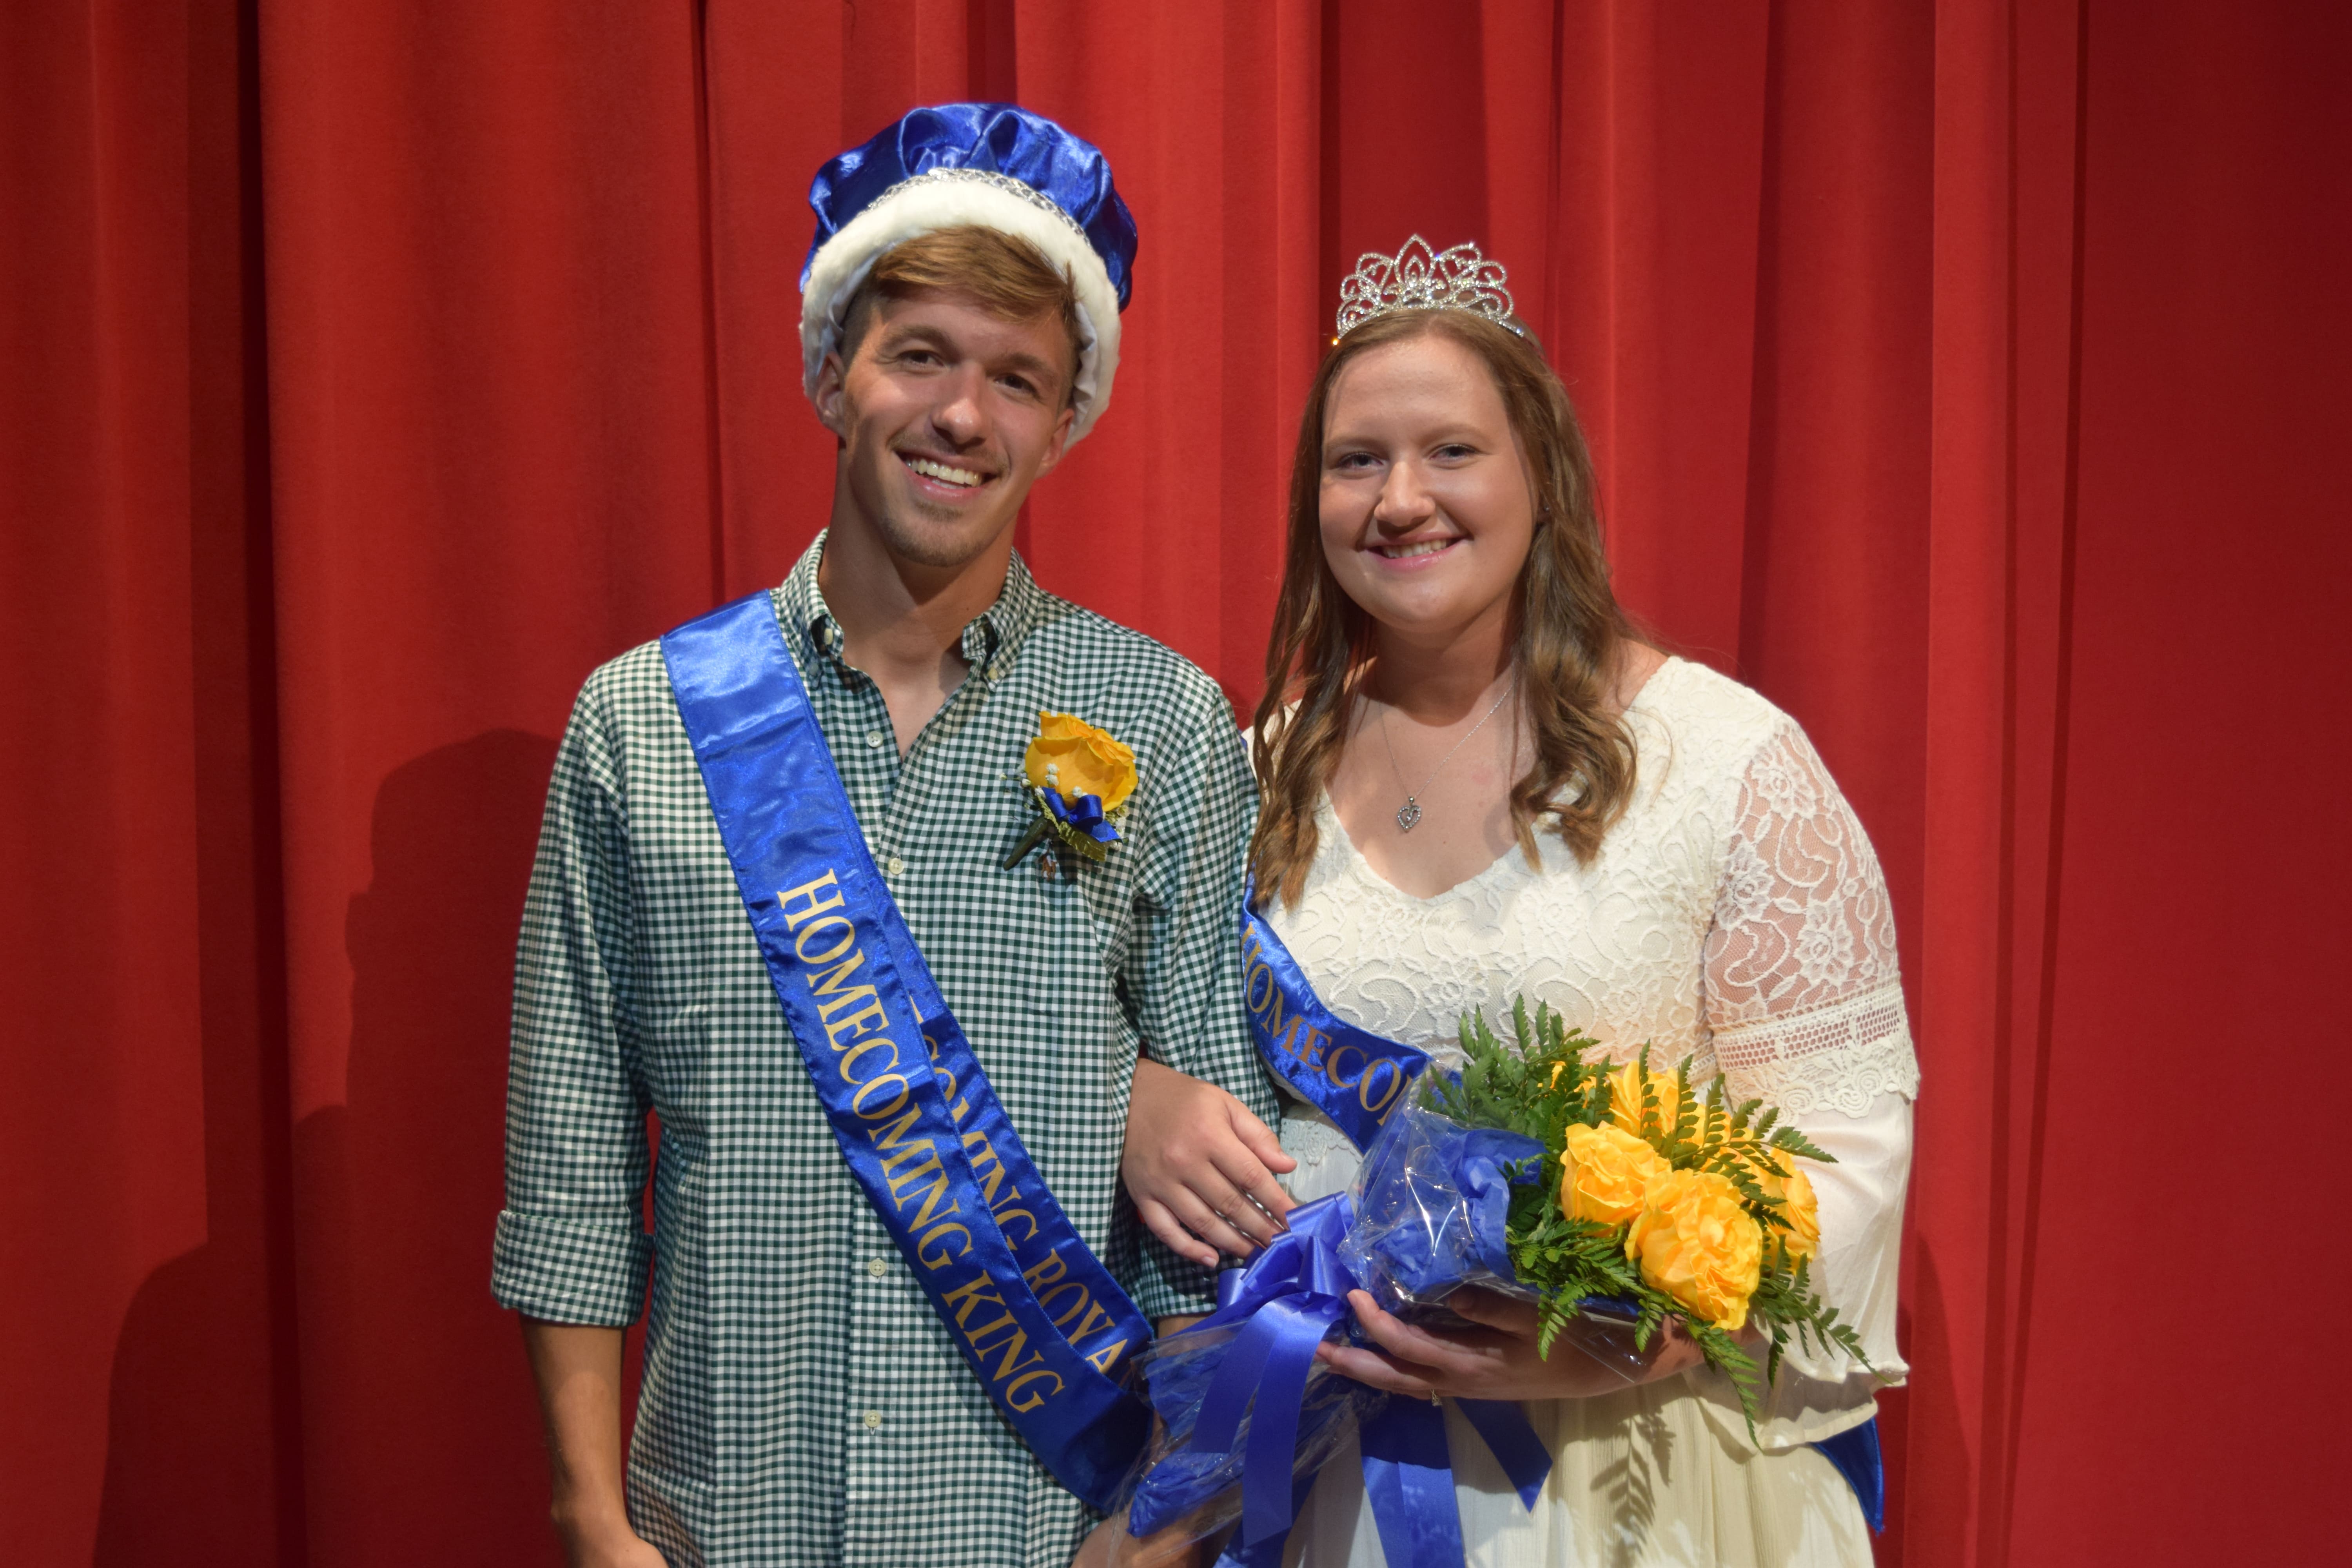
column 1326, row 811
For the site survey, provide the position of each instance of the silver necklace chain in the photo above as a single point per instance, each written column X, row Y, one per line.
column 1408, row 816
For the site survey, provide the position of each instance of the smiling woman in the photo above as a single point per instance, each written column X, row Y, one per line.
column 1447, row 637
column 1438, row 452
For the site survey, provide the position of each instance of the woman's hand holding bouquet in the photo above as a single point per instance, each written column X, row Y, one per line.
column 1498, row 1357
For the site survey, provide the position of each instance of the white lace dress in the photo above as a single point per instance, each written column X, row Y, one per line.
column 1735, row 914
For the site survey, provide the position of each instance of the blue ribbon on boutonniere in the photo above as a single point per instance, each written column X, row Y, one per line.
column 1084, row 815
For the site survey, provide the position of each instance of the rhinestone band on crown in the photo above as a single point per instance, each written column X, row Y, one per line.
column 1420, row 279
column 1005, row 182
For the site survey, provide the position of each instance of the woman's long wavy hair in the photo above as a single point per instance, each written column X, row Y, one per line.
column 1566, row 628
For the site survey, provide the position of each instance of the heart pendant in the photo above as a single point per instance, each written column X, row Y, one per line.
column 1408, row 814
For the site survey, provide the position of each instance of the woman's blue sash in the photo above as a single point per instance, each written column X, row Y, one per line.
column 1038, row 1318
column 1353, row 1075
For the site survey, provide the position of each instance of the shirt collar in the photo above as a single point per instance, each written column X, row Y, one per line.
column 997, row 630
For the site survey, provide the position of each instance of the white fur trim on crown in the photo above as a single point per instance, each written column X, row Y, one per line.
column 921, row 207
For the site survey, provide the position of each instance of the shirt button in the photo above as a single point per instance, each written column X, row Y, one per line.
column 896, row 865
column 876, row 1268
column 874, row 1420
column 873, row 738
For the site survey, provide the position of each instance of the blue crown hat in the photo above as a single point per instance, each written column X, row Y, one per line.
column 991, row 165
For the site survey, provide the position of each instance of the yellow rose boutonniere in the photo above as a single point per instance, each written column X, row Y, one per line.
column 1693, row 1241
column 1604, row 1172
column 1075, row 757
column 1081, row 778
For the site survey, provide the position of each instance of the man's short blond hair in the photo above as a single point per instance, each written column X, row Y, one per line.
column 1005, row 275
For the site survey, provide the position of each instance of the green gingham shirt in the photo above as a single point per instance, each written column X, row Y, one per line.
column 801, row 1404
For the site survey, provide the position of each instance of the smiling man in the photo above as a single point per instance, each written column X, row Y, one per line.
column 807, row 892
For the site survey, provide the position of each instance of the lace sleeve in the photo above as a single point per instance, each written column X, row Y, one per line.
column 1801, row 989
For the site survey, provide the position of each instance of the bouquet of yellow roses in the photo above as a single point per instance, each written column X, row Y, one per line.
column 1614, row 1197
column 1664, row 1204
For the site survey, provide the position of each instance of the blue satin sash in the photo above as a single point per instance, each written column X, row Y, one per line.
column 1854, row 1454
column 1040, row 1322
column 1354, row 1077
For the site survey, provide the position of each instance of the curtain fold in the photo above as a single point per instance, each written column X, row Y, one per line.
column 1961, row 375
column 2007, row 97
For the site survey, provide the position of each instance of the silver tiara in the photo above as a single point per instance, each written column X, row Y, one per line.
column 1420, row 279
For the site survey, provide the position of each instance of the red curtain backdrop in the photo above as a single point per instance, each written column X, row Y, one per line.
column 1965, row 375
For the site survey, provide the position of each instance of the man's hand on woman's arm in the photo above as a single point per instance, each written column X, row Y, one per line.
column 1201, row 1167
column 578, row 1369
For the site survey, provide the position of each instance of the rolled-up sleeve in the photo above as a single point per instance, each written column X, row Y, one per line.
column 570, row 1245
column 1183, row 972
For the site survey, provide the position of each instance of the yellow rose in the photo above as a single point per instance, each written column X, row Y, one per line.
column 1625, row 1099
column 1605, row 1171
column 1693, row 1241
column 1787, row 1180
column 1085, row 760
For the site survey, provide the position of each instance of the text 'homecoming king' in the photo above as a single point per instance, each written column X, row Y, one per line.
column 871, row 1070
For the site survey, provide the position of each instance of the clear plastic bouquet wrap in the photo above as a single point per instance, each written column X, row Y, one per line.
column 1614, row 1198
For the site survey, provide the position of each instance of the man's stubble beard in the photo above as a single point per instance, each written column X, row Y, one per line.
column 942, row 547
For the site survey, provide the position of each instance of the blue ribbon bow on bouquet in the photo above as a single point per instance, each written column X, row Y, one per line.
column 1246, row 1403
column 1284, row 1304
